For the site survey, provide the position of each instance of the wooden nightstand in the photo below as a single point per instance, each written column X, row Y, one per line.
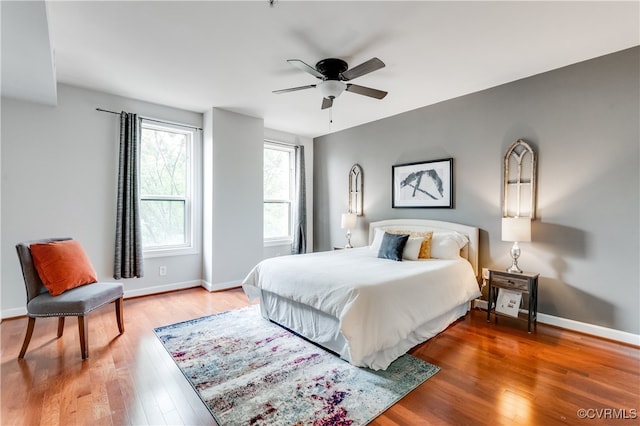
column 525, row 283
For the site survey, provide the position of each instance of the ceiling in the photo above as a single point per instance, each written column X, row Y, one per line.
column 28, row 70
column 231, row 55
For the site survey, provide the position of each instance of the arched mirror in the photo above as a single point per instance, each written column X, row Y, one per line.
column 355, row 190
column 519, row 181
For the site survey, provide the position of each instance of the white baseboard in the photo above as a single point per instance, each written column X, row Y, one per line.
column 22, row 311
column 581, row 327
column 14, row 312
column 221, row 286
column 480, row 304
column 161, row 288
column 595, row 330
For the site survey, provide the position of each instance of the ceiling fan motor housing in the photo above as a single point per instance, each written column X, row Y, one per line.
column 331, row 68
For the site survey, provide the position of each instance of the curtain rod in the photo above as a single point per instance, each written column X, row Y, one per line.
column 290, row 145
column 154, row 119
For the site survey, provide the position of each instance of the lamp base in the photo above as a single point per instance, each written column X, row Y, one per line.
column 348, row 245
column 515, row 254
column 514, row 269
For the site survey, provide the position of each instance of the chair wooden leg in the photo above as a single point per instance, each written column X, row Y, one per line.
column 27, row 337
column 83, row 329
column 60, row 326
column 119, row 314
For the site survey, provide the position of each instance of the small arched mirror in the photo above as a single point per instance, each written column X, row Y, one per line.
column 355, row 190
column 519, row 181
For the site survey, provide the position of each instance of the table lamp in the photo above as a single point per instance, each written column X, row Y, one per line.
column 348, row 223
column 516, row 229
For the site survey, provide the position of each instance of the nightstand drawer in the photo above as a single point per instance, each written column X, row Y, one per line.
column 510, row 282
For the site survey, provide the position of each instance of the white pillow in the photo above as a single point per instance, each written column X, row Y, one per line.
column 447, row 245
column 377, row 240
column 412, row 248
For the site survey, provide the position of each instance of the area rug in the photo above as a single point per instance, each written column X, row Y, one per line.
column 249, row 371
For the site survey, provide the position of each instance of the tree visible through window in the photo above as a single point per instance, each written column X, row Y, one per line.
column 278, row 192
column 165, row 186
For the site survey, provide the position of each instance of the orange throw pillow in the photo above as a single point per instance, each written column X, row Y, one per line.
column 62, row 265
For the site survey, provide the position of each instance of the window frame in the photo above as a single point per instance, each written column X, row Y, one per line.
column 191, row 198
column 279, row 146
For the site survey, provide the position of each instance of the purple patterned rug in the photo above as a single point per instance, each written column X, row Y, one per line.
column 249, row 371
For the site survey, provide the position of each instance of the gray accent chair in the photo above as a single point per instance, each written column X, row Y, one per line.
column 77, row 302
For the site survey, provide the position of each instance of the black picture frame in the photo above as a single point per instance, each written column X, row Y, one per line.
column 425, row 184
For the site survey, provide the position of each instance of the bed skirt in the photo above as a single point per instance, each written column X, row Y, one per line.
column 324, row 329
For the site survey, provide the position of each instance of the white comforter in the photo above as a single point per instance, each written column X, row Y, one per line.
column 378, row 302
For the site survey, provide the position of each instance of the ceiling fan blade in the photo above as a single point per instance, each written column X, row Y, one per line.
column 293, row 89
column 362, row 69
column 366, row 91
column 327, row 103
column 306, row 68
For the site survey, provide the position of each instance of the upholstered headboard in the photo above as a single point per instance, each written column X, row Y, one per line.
column 469, row 252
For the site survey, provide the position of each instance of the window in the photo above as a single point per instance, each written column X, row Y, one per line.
column 278, row 193
column 166, row 187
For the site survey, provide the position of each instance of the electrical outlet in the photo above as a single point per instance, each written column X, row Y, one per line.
column 485, row 273
column 162, row 271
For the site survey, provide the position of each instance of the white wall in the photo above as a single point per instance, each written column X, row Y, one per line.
column 233, row 164
column 233, row 193
column 59, row 174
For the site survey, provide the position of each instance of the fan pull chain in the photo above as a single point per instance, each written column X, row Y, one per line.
column 330, row 115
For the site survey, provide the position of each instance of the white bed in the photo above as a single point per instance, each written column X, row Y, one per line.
column 369, row 310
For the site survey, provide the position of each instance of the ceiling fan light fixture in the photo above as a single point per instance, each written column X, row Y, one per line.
column 331, row 89
column 333, row 73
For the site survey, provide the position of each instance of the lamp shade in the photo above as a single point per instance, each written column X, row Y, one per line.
column 348, row 221
column 516, row 229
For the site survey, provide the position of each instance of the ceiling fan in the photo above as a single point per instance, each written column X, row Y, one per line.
column 333, row 73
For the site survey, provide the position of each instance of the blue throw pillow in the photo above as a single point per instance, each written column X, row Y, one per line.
column 392, row 246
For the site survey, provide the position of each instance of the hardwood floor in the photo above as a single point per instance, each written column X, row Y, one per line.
column 493, row 374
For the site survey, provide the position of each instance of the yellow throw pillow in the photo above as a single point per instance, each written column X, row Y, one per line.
column 425, row 248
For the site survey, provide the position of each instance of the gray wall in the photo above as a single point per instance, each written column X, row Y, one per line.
column 583, row 120
column 59, row 174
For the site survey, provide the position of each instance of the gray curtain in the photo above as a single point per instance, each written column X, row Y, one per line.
column 299, row 244
column 128, row 251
